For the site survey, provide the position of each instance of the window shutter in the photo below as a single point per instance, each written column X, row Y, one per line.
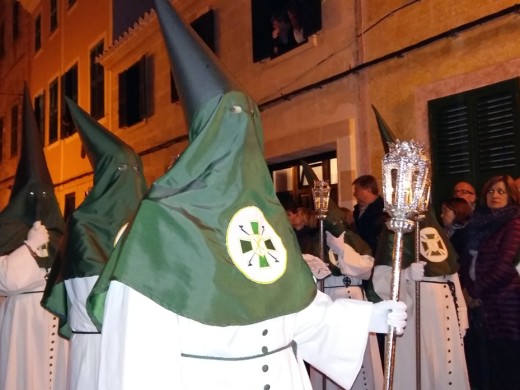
column 497, row 146
column 475, row 135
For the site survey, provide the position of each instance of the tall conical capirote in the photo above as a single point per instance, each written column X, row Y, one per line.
column 32, row 196
column 335, row 220
column 211, row 241
column 198, row 74
column 387, row 136
column 436, row 248
column 119, row 186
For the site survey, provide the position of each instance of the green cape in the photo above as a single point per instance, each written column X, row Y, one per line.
column 210, row 241
column 119, row 186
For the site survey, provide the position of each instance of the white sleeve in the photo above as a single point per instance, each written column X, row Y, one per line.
column 139, row 343
column 19, row 272
column 332, row 336
column 353, row 264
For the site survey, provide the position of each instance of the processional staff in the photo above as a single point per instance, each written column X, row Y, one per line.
column 406, row 189
column 321, row 196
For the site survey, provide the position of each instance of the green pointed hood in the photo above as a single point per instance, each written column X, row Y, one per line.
column 211, row 241
column 436, row 249
column 119, row 186
column 32, row 195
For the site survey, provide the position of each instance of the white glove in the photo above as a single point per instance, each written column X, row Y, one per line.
column 415, row 272
column 336, row 244
column 37, row 236
column 388, row 313
column 318, row 267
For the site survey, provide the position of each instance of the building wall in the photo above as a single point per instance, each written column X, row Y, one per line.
column 394, row 54
column 14, row 69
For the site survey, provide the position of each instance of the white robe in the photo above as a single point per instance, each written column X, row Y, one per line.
column 443, row 362
column 85, row 348
column 32, row 355
column 370, row 376
column 145, row 346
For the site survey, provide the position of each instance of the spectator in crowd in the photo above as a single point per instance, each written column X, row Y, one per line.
column 466, row 191
column 488, row 273
column 294, row 14
column 455, row 215
column 282, row 34
column 369, row 217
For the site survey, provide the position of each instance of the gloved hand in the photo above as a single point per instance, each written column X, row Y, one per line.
column 37, row 236
column 415, row 272
column 318, row 267
column 336, row 244
column 388, row 313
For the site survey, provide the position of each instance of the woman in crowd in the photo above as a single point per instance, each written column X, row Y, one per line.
column 455, row 215
column 491, row 279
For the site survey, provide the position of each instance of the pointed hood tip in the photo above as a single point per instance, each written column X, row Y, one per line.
column 197, row 72
column 386, row 134
column 99, row 143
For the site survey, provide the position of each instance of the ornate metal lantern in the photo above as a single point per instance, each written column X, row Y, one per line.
column 406, row 189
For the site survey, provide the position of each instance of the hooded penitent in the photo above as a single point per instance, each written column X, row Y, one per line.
column 32, row 196
column 335, row 220
column 435, row 247
column 211, row 241
column 119, row 186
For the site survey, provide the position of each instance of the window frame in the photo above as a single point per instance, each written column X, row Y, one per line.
column 474, row 135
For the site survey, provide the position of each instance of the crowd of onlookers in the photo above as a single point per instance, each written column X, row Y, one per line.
column 483, row 229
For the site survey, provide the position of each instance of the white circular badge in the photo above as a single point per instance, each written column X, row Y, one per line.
column 254, row 247
column 433, row 247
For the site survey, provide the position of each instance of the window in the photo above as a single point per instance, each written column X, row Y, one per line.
column 97, row 83
column 69, row 88
column 54, row 15
column 291, row 185
column 475, row 135
column 53, row 111
column 1, row 139
column 135, row 92
column 70, row 205
column 204, row 26
column 38, row 33
column 14, row 130
column 2, row 37
column 281, row 25
column 39, row 114
column 16, row 20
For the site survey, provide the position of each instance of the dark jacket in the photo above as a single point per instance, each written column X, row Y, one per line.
column 370, row 223
column 497, row 282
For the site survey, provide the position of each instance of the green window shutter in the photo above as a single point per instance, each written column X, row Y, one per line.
column 474, row 135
